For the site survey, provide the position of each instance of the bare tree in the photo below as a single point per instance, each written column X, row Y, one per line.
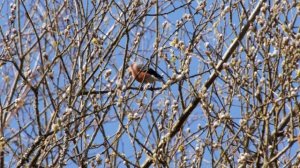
column 230, row 96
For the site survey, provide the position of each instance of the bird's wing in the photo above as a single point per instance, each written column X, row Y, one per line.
column 150, row 71
column 154, row 73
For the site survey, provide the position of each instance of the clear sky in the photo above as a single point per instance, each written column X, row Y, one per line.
column 215, row 36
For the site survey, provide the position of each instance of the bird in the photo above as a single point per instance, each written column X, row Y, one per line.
column 143, row 74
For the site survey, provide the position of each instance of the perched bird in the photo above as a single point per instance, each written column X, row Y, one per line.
column 144, row 74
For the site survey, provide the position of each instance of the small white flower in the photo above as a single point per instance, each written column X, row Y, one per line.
column 68, row 110
column 179, row 77
column 167, row 102
column 124, row 88
column 221, row 115
column 136, row 115
column 129, row 116
column 19, row 102
column 206, row 44
column 55, row 127
column 216, row 123
column 221, row 36
column 98, row 159
column 242, row 121
column 293, row 93
column 107, row 73
column 199, row 126
column 146, row 86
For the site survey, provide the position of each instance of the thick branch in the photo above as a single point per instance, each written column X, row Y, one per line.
column 207, row 84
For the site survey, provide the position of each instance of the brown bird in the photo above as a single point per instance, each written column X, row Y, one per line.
column 143, row 74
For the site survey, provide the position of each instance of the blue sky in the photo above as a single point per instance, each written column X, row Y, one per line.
column 142, row 53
